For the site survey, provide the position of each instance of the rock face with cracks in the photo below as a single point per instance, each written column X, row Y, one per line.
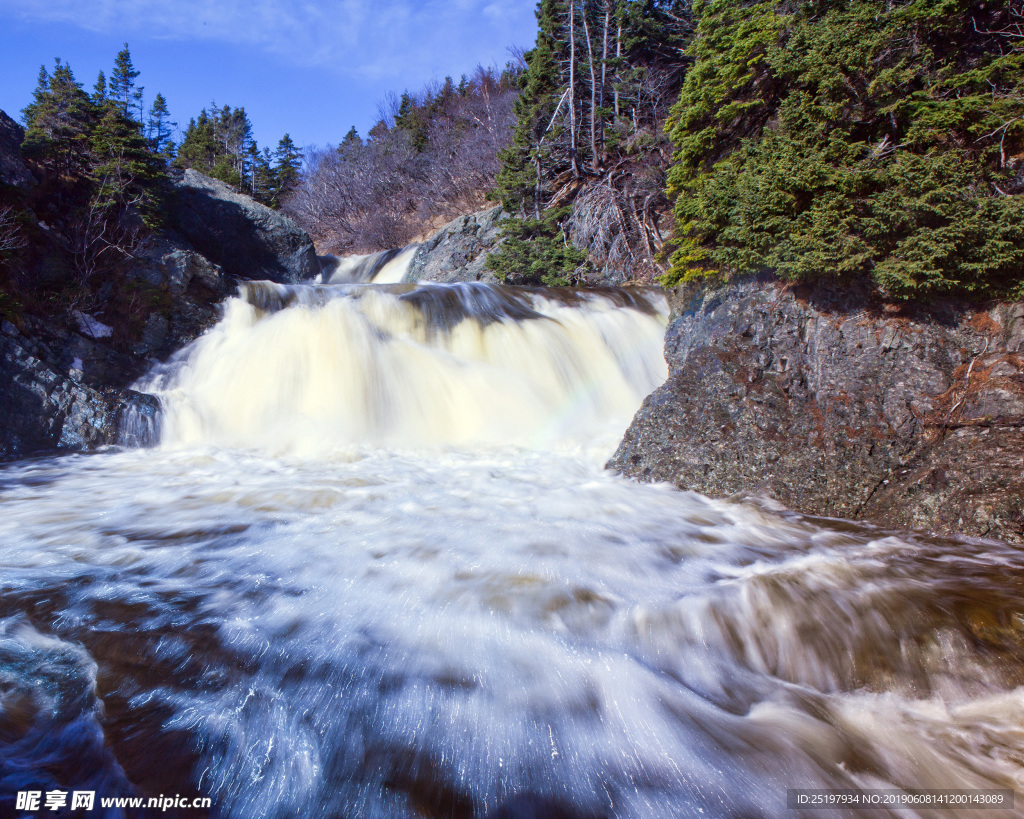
column 458, row 251
column 833, row 406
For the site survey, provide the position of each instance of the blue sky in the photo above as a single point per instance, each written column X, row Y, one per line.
column 311, row 68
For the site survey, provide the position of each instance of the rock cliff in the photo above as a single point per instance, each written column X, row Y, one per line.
column 834, row 406
column 65, row 373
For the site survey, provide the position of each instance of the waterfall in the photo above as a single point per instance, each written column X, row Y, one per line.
column 385, row 267
column 298, row 367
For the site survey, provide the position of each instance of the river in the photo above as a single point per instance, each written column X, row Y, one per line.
column 375, row 568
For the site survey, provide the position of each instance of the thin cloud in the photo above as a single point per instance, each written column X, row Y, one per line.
column 369, row 38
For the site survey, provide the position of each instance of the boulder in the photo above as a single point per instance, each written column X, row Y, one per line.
column 459, row 250
column 836, row 407
column 243, row 237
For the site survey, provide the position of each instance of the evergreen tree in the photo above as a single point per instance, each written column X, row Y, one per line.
column 288, row 165
column 39, row 97
column 351, row 139
column 158, row 127
column 854, row 139
column 519, row 182
column 264, row 185
column 411, row 120
column 122, row 81
column 199, row 148
column 123, row 164
column 217, row 143
column 99, row 90
column 59, row 121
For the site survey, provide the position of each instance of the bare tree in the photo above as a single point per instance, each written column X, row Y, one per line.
column 381, row 193
column 11, row 237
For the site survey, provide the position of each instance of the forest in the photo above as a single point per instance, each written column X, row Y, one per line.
column 648, row 140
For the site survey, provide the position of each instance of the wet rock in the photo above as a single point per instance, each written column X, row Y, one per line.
column 240, row 235
column 459, row 250
column 13, row 170
column 831, row 406
column 43, row 409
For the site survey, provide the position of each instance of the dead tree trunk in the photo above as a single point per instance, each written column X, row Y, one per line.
column 593, row 96
column 618, row 56
column 572, row 90
column 604, row 73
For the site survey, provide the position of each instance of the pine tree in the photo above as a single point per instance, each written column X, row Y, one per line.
column 60, row 120
column 99, row 90
column 158, row 127
column 288, row 165
column 122, row 80
column 519, row 182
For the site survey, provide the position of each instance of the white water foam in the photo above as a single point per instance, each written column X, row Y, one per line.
column 303, row 611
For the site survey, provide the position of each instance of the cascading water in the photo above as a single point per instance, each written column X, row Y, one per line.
column 385, row 267
column 375, row 569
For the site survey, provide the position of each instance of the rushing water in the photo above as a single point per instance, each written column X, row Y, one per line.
column 375, row 569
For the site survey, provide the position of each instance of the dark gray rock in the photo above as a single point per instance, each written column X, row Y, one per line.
column 44, row 410
column 832, row 407
column 13, row 170
column 459, row 250
column 187, row 285
column 246, row 239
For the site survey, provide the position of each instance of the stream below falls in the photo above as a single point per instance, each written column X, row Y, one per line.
column 375, row 568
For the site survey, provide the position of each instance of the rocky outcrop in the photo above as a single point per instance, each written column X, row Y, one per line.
column 835, row 407
column 13, row 170
column 65, row 374
column 246, row 239
column 43, row 409
column 458, row 251
column 188, row 285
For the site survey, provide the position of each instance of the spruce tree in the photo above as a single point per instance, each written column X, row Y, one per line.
column 264, row 184
column 122, row 80
column 99, row 90
column 122, row 163
column 158, row 127
column 520, row 180
column 411, row 120
column 288, row 165
column 59, row 121
column 856, row 140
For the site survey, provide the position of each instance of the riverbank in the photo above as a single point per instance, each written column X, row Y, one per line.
column 833, row 404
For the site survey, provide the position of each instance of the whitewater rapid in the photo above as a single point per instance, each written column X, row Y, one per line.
column 375, row 568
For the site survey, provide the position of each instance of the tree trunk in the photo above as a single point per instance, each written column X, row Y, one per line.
column 618, row 55
column 572, row 89
column 593, row 96
column 604, row 74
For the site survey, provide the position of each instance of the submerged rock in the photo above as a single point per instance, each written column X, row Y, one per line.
column 239, row 234
column 832, row 407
